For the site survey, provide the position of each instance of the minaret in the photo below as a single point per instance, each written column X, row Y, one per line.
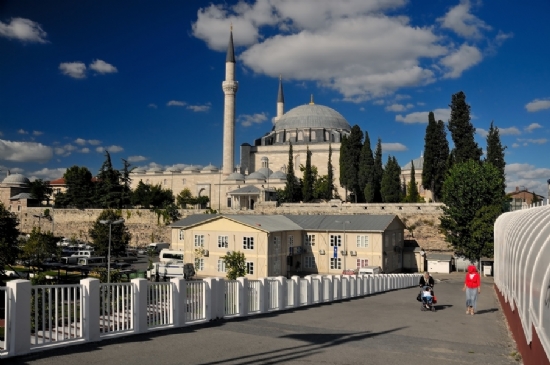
column 229, row 87
column 280, row 100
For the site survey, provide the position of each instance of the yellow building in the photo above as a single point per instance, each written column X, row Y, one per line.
column 286, row 245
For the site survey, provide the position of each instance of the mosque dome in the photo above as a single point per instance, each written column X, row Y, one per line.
column 138, row 171
column 256, row 176
column 210, row 168
column 15, row 179
column 265, row 171
column 191, row 168
column 418, row 164
column 278, row 175
column 312, row 116
column 235, row 177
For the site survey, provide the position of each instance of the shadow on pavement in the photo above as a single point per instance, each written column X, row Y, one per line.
column 483, row 311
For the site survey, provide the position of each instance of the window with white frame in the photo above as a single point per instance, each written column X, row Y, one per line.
column 290, row 240
column 221, row 266
column 362, row 263
column 310, row 240
column 335, row 263
column 223, row 241
column 182, row 234
column 199, row 264
column 362, row 241
column 309, row 262
column 248, row 243
column 199, row 240
column 250, row 268
column 335, row 240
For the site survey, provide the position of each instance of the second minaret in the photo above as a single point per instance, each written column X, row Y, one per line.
column 229, row 87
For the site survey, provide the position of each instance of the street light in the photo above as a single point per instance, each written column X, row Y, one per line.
column 345, row 246
column 110, row 223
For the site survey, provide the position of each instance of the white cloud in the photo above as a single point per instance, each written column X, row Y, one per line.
column 99, row 149
column 114, row 149
column 37, row 133
column 200, row 108
column 136, row 158
column 386, row 147
column 362, row 109
column 422, row 117
column 462, row 22
column 528, row 141
column 94, row 142
column 401, row 97
column 23, row 30
column 22, row 131
column 176, row 103
column 24, row 151
column 80, row 141
column 103, row 67
column 420, row 103
column 528, row 176
column 379, row 102
column 398, row 107
column 152, row 105
column 460, row 60
column 531, row 127
column 84, row 150
column 482, row 132
column 538, row 104
column 351, row 47
column 247, row 120
column 512, row 131
column 47, row 174
column 75, row 70
column 515, row 145
column 65, row 150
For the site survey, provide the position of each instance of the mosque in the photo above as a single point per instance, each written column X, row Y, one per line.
column 263, row 165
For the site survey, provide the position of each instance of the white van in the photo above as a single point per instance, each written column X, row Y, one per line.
column 98, row 261
column 158, row 246
column 370, row 270
column 171, row 256
column 84, row 253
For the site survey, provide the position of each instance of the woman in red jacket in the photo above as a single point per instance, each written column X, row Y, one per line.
column 472, row 287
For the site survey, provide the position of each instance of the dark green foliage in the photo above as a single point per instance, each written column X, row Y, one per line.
column 483, row 232
column 378, row 172
column 9, row 233
column 328, row 192
column 142, row 195
column 462, row 130
column 366, row 171
column 292, row 192
column 235, row 265
column 308, row 179
column 40, row 190
column 495, row 153
column 473, row 199
column 436, row 154
column 108, row 187
column 80, row 189
column 344, row 163
column 126, row 181
column 535, row 198
column 99, row 233
column 39, row 247
column 412, row 189
column 160, row 197
column 391, row 182
column 353, row 153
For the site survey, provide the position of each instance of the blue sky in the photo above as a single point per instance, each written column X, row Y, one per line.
column 142, row 79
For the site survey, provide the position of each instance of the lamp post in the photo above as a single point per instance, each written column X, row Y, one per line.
column 345, row 246
column 39, row 216
column 110, row 223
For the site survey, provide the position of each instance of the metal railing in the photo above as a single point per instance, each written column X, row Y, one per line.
column 4, row 320
column 116, row 305
column 272, row 294
column 231, row 298
column 56, row 314
column 159, row 305
column 196, row 306
column 253, row 296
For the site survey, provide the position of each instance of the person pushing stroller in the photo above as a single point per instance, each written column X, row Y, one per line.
column 427, row 295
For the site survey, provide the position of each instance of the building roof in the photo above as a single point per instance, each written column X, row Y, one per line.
column 267, row 223
column 418, row 164
column 15, row 179
column 359, row 223
column 230, row 57
column 22, row 196
column 312, row 116
column 439, row 257
column 235, row 176
column 246, row 190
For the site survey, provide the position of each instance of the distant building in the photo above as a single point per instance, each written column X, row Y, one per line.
column 14, row 193
column 522, row 198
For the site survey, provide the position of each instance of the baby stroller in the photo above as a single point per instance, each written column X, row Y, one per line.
column 427, row 298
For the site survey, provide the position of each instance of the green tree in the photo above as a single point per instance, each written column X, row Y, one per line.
column 39, row 247
column 80, row 188
column 468, row 188
column 8, row 238
column 292, row 191
column 141, row 196
column 482, row 244
column 328, row 192
column 235, row 264
column 462, row 130
column 40, row 190
column 126, row 181
column 436, row 154
column 108, row 187
column 366, row 171
column 99, row 233
column 378, row 172
column 535, row 198
column 412, row 189
column 344, row 164
column 160, row 197
column 308, row 179
column 495, row 154
column 391, row 182
column 353, row 152
column 184, row 198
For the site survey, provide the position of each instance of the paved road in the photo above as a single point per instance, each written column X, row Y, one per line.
column 387, row 328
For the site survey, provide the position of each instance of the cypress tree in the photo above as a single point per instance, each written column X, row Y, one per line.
column 441, row 160
column 378, row 172
column 430, row 152
column 353, row 151
column 344, row 164
column 495, row 154
column 308, row 179
column 330, row 175
column 292, row 193
column 366, row 171
column 462, row 130
column 391, row 182
column 412, row 189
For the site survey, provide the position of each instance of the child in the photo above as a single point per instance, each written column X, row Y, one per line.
column 427, row 296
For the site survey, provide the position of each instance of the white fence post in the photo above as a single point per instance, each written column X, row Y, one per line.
column 140, row 305
column 264, row 287
column 360, row 285
column 180, row 301
column 344, row 279
column 309, row 291
column 296, row 283
column 281, row 288
column 19, row 329
column 243, row 297
column 329, row 293
column 89, row 306
column 337, row 281
column 215, row 303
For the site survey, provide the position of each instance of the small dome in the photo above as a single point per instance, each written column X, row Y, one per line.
column 16, row 179
column 278, row 175
column 265, row 171
column 171, row 170
column 138, row 171
column 256, row 176
column 312, row 116
column 418, row 164
column 235, row 177
column 191, row 168
column 154, row 170
column 210, row 168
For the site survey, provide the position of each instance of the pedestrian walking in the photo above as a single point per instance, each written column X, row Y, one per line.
column 472, row 287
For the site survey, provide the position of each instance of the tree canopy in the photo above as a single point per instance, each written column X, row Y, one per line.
column 99, row 233
column 366, row 171
column 40, row 190
column 436, row 154
column 8, row 238
column 235, row 264
column 462, row 130
column 80, row 189
column 391, row 182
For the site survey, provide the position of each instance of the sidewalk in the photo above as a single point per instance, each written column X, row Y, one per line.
column 386, row 328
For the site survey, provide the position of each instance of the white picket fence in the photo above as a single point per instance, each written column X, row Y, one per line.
column 45, row 316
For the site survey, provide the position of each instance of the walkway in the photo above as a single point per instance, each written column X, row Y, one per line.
column 387, row 328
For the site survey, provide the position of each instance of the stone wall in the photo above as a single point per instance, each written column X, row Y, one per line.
column 145, row 226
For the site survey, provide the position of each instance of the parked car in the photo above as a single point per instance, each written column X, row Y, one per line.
column 125, row 257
